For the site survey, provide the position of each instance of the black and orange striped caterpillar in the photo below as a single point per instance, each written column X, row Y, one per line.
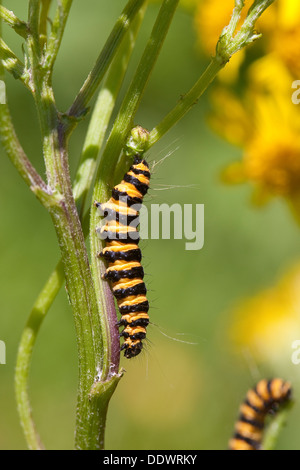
column 123, row 255
column 266, row 397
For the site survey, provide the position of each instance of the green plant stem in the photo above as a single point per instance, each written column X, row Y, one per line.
column 57, row 32
column 79, row 107
column 68, row 228
column 13, row 65
column 43, row 21
column 33, row 25
column 20, row 27
column 89, row 340
column 275, row 427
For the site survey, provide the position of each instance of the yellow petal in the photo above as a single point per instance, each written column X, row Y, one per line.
column 266, row 324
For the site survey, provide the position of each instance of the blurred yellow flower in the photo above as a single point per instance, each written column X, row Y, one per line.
column 267, row 324
column 280, row 25
column 266, row 124
column 285, row 34
column 211, row 17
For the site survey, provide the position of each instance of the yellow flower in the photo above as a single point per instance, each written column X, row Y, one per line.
column 280, row 25
column 267, row 324
column 285, row 34
column 266, row 124
column 211, row 17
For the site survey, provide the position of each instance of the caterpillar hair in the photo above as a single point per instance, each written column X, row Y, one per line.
column 266, row 397
column 125, row 272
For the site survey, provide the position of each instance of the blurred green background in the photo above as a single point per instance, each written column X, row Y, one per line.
column 175, row 395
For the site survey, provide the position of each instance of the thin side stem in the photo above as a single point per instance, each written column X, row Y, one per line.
column 13, row 65
column 57, row 32
column 28, row 339
column 43, row 21
column 20, row 27
column 79, row 107
column 274, row 429
column 33, row 25
column 186, row 102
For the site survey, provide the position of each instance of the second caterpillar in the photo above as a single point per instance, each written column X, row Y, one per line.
column 125, row 272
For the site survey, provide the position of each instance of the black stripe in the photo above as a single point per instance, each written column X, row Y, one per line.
column 282, row 398
column 137, row 171
column 133, row 273
column 251, row 442
column 137, row 160
column 266, row 402
column 138, row 322
column 141, row 187
column 124, row 219
column 288, row 395
column 127, row 237
column 139, row 335
column 269, row 386
column 129, row 255
column 132, row 351
column 139, row 288
column 123, row 196
column 253, row 422
column 135, row 308
column 257, row 410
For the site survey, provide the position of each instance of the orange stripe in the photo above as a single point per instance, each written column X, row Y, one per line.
column 239, row 444
column 255, row 400
column 248, row 430
column 262, row 390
